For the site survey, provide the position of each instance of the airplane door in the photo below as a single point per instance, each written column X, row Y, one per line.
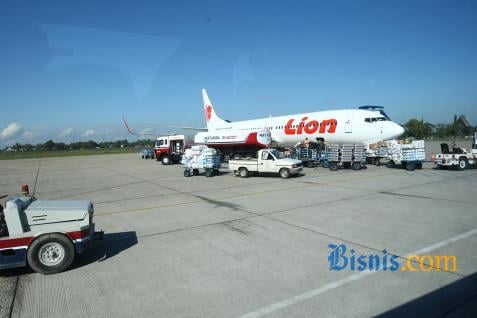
column 348, row 127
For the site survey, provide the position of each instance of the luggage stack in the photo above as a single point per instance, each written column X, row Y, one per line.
column 347, row 153
column 334, row 153
column 414, row 151
column 359, row 153
column 382, row 152
column 200, row 157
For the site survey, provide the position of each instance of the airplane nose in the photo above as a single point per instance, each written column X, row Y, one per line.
column 400, row 130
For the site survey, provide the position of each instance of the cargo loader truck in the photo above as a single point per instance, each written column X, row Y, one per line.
column 44, row 234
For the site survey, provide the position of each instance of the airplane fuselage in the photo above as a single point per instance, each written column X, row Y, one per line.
column 334, row 126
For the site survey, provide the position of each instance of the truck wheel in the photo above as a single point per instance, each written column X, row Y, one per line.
column 166, row 160
column 284, row 173
column 310, row 164
column 216, row 172
column 356, row 165
column 333, row 166
column 410, row 166
column 377, row 162
column 243, row 172
column 187, row 173
column 195, row 172
column 208, row 173
column 325, row 164
column 51, row 254
column 419, row 165
column 390, row 164
column 463, row 164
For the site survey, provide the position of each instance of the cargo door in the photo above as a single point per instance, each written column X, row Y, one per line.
column 348, row 126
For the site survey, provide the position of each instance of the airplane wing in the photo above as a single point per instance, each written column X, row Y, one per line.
column 143, row 134
column 191, row 128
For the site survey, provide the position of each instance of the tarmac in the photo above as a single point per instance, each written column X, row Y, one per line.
column 231, row 247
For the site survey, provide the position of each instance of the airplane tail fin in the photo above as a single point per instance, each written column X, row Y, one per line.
column 211, row 117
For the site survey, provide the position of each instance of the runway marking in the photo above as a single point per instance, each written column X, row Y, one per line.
column 320, row 290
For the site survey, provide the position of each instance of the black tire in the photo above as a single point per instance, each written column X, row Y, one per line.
column 325, row 164
column 346, row 165
column 187, row 173
column 142, row 157
column 377, row 162
column 285, row 173
column 51, row 254
column 310, row 164
column 410, row 166
column 243, row 172
column 333, row 166
column 390, row 164
column 195, row 172
column 419, row 165
column 463, row 164
column 216, row 172
column 166, row 160
column 208, row 173
column 356, row 165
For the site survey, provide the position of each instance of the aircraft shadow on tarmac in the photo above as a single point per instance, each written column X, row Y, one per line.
column 458, row 299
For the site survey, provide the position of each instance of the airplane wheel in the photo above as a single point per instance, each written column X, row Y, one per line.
column 51, row 254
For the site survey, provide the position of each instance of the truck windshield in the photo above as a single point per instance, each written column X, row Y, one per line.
column 276, row 153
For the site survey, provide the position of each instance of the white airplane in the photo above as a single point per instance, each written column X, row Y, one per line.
column 333, row 126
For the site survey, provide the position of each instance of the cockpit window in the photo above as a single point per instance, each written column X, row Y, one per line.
column 375, row 119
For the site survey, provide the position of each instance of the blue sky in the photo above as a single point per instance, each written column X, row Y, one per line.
column 69, row 70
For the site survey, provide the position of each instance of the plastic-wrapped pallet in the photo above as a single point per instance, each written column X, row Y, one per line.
column 200, row 157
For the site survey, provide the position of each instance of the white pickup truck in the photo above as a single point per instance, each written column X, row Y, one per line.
column 268, row 161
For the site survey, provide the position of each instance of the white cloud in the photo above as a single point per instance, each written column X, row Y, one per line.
column 27, row 134
column 66, row 133
column 88, row 133
column 13, row 130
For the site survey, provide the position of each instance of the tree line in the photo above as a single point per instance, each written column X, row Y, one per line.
column 50, row 145
column 459, row 127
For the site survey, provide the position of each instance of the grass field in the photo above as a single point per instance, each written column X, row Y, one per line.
column 63, row 153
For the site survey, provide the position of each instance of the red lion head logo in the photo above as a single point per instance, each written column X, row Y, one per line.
column 208, row 112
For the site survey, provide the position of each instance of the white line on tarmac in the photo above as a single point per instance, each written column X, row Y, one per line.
column 320, row 290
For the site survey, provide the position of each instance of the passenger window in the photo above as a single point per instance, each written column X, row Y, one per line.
column 374, row 120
